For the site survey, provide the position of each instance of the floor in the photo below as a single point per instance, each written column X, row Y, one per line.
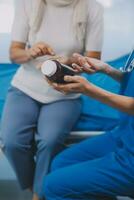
column 9, row 190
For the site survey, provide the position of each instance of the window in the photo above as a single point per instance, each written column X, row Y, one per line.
column 6, row 15
column 119, row 29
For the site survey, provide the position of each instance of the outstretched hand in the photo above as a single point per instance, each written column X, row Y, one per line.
column 75, row 84
column 88, row 65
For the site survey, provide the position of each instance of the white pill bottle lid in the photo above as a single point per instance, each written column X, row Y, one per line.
column 49, row 68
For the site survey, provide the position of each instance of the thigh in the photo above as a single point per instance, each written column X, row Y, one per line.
column 19, row 117
column 57, row 119
column 88, row 149
column 102, row 177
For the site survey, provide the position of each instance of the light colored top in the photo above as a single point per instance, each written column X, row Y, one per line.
column 56, row 30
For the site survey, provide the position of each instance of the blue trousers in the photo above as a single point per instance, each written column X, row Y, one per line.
column 30, row 128
column 96, row 169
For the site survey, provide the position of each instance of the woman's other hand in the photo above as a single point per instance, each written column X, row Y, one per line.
column 40, row 49
column 19, row 54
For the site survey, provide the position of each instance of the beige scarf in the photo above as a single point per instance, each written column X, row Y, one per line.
column 79, row 16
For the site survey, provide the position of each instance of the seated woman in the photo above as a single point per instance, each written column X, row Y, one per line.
column 101, row 167
column 35, row 114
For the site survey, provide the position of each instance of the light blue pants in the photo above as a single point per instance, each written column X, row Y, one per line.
column 27, row 124
column 96, row 169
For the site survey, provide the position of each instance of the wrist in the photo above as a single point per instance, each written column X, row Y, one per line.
column 107, row 69
column 29, row 56
column 88, row 89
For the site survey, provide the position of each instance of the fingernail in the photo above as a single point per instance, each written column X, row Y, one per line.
column 73, row 65
column 86, row 65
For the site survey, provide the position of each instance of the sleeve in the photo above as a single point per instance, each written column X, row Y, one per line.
column 20, row 28
column 95, row 28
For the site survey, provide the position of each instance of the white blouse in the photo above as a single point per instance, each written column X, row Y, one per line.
column 56, row 30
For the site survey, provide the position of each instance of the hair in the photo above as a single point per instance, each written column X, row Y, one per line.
column 79, row 16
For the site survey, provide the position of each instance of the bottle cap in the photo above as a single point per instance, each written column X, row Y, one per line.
column 49, row 68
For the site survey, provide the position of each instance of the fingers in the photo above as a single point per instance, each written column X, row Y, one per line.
column 46, row 49
column 37, row 51
column 41, row 49
column 77, row 55
column 73, row 79
column 66, row 88
column 34, row 53
column 87, row 64
column 49, row 82
column 82, row 61
column 75, row 84
column 95, row 62
column 50, row 51
column 77, row 68
column 83, row 67
column 39, row 65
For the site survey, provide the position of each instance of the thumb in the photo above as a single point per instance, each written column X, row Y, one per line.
column 50, row 51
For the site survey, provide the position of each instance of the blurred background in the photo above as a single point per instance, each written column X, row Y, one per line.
column 118, row 42
column 119, row 28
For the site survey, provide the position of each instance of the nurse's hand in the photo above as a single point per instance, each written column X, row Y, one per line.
column 89, row 65
column 40, row 49
column 67, row 60
column 75, row 84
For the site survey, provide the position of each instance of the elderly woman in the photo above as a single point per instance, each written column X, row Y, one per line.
column 100, row 168
column 35, row 114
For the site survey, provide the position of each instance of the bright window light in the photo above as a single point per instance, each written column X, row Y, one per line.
column 6, row 15
column 106, row 3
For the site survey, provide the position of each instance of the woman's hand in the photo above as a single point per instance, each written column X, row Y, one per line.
column 75, row 84
column 40, row 49
column 89, row 65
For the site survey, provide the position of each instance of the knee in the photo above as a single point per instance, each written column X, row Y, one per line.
column 10, row 146
column 10, row 142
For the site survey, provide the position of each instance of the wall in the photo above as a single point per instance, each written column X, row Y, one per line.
column 119, row 31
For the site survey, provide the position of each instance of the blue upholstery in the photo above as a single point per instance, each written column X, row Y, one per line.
column 95, row 115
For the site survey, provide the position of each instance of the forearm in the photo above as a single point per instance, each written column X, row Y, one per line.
column 122, row 103
column 113, row 73
column 19, row 56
